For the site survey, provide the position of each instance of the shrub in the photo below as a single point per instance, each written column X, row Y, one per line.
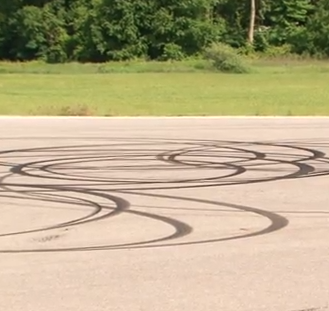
column 172, row 51
column 224, row 58
column 278, row 51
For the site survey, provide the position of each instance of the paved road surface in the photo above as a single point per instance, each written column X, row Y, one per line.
column 164, row 214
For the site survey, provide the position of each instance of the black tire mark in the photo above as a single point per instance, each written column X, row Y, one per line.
column 120, row 206
column 302, row 170
column 277, row 222
column 238, row 167
column 180, row 229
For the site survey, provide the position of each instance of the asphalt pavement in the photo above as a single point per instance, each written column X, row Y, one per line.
column 164, row 214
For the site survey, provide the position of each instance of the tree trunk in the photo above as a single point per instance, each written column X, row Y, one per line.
column 252, row 21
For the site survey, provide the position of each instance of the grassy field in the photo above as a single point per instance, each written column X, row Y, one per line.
column 172, row 89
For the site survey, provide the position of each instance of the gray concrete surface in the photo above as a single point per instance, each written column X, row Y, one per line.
column 156, row 214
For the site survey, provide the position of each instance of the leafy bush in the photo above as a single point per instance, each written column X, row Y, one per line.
column 224, row 58
column 172, row 51
column 278, row 51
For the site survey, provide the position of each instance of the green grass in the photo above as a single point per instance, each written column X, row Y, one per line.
column 166, row 89
column 138, row 66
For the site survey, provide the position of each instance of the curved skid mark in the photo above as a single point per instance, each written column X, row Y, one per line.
column 302, row 170
column 121, row 205
column 96, row 210
column 277, row 222
column 237, row 157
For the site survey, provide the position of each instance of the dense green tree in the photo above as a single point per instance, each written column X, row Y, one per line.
column 286, row 19
column 182, row 28
column 315, row 38
column 102, row 30
column 36, row 33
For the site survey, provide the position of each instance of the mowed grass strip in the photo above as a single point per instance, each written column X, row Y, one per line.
column 166, row 94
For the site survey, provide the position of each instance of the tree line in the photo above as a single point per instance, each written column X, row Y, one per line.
column 107, row 30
